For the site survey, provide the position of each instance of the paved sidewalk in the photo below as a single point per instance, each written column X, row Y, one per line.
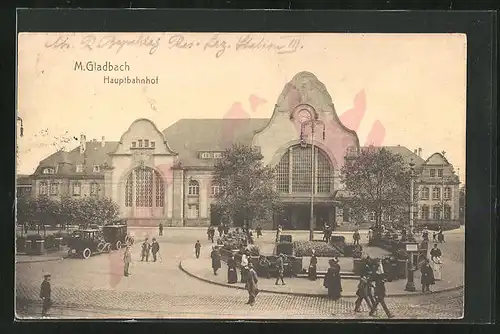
column 201, row 269
column 55, row 256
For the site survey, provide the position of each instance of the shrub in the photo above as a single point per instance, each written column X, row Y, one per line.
column 322, row 249
column 446, row 225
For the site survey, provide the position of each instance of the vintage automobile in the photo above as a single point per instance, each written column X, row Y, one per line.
column 88, row 242
column 116, row 234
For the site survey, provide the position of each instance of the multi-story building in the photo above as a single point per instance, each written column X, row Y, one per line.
column 167, row 175
column 24, row 185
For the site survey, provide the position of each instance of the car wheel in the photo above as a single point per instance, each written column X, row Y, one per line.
column 100, row 247
column 86, row 253
column 118, row 244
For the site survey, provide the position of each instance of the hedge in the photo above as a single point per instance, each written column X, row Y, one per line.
column 322, row 249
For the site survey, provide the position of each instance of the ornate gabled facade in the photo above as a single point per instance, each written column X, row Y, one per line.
column 167, row 175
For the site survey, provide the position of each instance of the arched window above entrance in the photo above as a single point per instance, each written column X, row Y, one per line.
column 295, row 171
column 144, row 189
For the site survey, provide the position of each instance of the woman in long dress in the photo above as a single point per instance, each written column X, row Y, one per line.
column 427, row 278
column 313, row 267
column 436, row 262
column 332, row 280
column 232, row 275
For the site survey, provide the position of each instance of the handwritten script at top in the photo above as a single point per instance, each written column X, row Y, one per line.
column 217, row 44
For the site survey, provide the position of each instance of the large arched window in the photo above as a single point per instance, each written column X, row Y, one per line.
column 295, row 166
column 147, row 184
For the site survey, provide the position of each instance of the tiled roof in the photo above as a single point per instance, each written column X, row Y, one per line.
column 95, row 154
column 23, row 180
column 406, row 153
column 189, row 137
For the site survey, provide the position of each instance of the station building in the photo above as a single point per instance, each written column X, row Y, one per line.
column 166, row 175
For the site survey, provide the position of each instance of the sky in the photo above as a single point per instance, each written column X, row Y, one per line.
column 414, row 85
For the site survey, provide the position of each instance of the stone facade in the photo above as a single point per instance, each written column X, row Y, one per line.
column 166, row 176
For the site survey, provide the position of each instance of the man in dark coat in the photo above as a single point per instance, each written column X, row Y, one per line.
column 145, row 250
column 258, row 229
column 333, row 281
column 216, row 264
column 427, row 278
column 232, row 274
column 356, row 237
column 280, row 267
column 252, row 285
column 313, row 266
column 197, row 247
column 45, row 292
column 380, row 296
column 160, row 229
column 155, row 248
column 363, row 292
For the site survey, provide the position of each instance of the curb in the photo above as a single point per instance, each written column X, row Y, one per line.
column 46, row 260
column 302, row 294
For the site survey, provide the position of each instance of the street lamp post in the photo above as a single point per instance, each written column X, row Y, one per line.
column 313, row 123
column 410, row 284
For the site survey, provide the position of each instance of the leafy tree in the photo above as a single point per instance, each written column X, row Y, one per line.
column 379, row 182
column 247, row 188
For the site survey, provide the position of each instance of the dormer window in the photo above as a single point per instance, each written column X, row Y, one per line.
column 217, row 155
column 49, row 171
column 146, row 143
column 134, row 144
column 79, row 168
column 153, row 144
column 140, row 142
column 205, row 155
column 97, row 168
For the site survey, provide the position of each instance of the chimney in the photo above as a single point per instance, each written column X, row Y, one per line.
column 103, row 141
column 420, row 152
column 83, row 143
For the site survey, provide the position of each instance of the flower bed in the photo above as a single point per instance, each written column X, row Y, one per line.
column 322, row 249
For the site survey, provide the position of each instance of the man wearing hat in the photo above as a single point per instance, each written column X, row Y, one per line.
column 45, row 294
column 380, row 297
column 127, row 258
column 363, row 293
column 145, row 250
column 251, row 285
column 280, row 266
column 155, row 248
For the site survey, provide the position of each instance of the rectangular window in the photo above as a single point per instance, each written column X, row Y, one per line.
column 140, row 142
column 54, row 188
column 215, row 190
column 153, row 144
column 425, row 212
column 134, row 144
column 43, row 188
column 372, row 216
column 146, row 142
column 436, row 212
column 440, row 173
column 94, row 189
column 447, row 212
column 193, row 211
column 79, row 168
column 77, row 189
column 205, row 155
column 432, row 173
column 425, row 193
column 447, row 193
column 97, row 168
column 436, row 193
column 217, row 155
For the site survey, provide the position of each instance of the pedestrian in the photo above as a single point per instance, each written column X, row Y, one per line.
column 427, row 278
column 252, row 285
column 127, row 258
column 356, row 237
column 215, row 255
column 232, row 275
column 425, row 234
column 221, row 230
column 280, row 267
column 244, row 266
column 145, row 250
column 208, row 232
column 278, row 233
column 440, row 235
column 436, row 262
column 155, row 248
column 197, row 247
column 363, row 293
column 380, row 292
column 434, row 235
column 333, row 281
column 45, row 295
column 258, row 229
column 313, row 266
column 160, row 229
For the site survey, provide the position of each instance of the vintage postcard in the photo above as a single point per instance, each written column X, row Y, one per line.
column 240, row 176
